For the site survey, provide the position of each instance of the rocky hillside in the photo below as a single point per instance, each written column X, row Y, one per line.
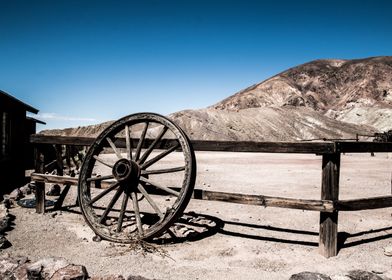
column 355, row 91
column 264, row 124
column 319, row 99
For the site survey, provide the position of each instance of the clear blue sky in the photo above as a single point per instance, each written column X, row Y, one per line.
column 82, row 62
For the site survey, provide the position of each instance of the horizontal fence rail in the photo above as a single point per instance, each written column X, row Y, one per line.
column 260, row 200
column 234, row 146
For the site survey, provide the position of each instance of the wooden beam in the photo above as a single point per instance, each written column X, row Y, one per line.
column 364, row 203
column 329, row 191
column 260, row 200
column 264, row 147
column 61, row 140
column 267, row 201
column 202, row 145
column 363, row 147
column 54, row 179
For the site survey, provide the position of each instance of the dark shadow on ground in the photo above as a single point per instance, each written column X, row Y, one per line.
column 196, row 226
column 343, row 237
column 8, row 226
column 239, row 233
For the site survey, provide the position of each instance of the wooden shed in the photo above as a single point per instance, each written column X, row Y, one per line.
column 16, row 154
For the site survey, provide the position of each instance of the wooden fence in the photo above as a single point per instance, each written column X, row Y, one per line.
column 328, row 205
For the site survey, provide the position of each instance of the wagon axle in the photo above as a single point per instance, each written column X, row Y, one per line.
column 127, row 171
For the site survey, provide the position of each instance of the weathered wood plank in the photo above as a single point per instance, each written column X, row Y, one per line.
column 329, row 191
column 54, row 179
column 61, row 140
column 363, row 147
column 260, row 200
column 364, row 203
column 202, row 145
column 267, row 201
column 263, row 147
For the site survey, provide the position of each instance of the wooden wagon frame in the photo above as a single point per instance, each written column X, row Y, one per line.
column 130, row 176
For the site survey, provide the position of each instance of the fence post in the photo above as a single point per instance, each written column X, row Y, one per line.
column 40, row 186
column 328, row 237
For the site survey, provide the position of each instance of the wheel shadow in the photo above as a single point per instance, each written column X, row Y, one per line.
column 190, row 227
column 198, row 226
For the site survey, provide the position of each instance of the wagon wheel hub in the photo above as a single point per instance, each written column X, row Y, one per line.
column 126, row 171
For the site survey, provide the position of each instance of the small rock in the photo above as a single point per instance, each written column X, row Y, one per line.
column 363, row 275
column 54, row 214
column 16, row 194
column 97, row 238
column 109, row 277
column 13, row 268
column 70, row 272
column 21, row 271
column 309, row 276
column 388, row 251
column 26, row 190
column 340, row 277
column 132, row 277
column 3, row 210
column 45, row 268
column 54, row 190
column 108, row 222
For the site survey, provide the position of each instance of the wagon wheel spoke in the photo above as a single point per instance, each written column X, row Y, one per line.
column 137, row 213
column 173, row 192
column 151, row 201
column 152, row 146
column 100, row 178
column 110, row 205
column 163, row 171
column 160, row 156
column 122, row 211
column 114, row 148
column 128, row 143
column 141, row 140
column 103, row 162
column 103, row 193
column 171, row 233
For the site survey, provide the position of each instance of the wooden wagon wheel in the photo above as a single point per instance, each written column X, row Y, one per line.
column 137, row 178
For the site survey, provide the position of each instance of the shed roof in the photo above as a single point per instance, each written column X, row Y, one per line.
column 26, row 106
column 35, row 120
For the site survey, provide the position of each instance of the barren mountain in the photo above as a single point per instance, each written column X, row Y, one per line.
column 319, row 99
column 355, row 91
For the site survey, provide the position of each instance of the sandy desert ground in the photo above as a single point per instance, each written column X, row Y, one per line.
column 244, row 242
